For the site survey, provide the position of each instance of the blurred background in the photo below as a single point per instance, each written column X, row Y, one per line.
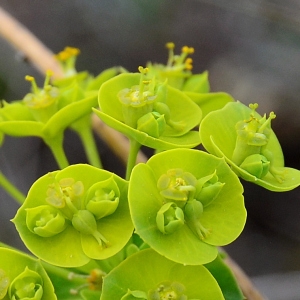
column 251, row 50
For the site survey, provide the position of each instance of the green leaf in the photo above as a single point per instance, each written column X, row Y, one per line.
column 197, row 83
column 96, row 82
column 146, row 270
column 218, row 134
column 210, row 101
column 22, row 128
column 68, row 115
column 225, row 278
column 188, row 140
column 22, row 273
column 224, row 218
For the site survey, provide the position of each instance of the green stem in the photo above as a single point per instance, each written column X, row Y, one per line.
column 62, row 273
column 11, row 189
column 56, row 146
column 84, row 130
column 133, row 152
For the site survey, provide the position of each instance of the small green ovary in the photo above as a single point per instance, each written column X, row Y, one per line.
column 168, row 291
column 85, row 222
column 28, row 285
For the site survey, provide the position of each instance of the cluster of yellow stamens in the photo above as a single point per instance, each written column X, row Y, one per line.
column 180, row 60
column 67, row 53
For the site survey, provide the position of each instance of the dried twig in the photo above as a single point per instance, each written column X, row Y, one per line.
column 43, row 59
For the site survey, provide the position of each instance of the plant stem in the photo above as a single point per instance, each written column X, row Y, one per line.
column 11, row 189
column 84, row 129
column 62, row 272
column 56, row 146
column 133, row 152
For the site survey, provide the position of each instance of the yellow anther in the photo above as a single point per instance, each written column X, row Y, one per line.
column 191, row 50
column 62, row 56
column 143, row 70
column 187, row 50
column 29, row 78
column 49, row 73
column 72, row 51
column 189, row 64
column 170, row 45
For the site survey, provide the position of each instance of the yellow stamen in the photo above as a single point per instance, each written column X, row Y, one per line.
column 72, row 51
column 34, row 86
column 187, row 50
column 29, row 78
column 170, row 45
column 143, row 70
column 189, row 64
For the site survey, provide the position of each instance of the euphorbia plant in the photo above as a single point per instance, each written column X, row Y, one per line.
column 157, row 233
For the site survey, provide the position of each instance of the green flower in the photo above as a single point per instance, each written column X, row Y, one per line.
column 185, row 201
column 247, row 142
column 162, row 279
column 27, row 279
column 80, row 206
column 149, row 111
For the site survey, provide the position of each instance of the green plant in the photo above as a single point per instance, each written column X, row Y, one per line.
column 157, row 233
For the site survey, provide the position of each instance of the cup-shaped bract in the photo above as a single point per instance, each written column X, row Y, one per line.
column 249, row 145
column 148, row 111
column 215, row 222
column 62, row 222
column 27, row 279
column 161, row 279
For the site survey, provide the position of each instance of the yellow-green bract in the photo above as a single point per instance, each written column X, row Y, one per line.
column 74, row 215
column 22, row 277
column 203, row 187
column 148, row 275
column 249, row 145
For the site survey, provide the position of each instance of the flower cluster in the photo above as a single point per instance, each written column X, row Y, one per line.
column 66, row 206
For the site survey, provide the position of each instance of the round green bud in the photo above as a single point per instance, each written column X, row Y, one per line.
column 28, row 285
column 152, row 123
column 103, row 198
column 45, row 220
column 169, row 218
column 257, row 165
column 84, row 221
